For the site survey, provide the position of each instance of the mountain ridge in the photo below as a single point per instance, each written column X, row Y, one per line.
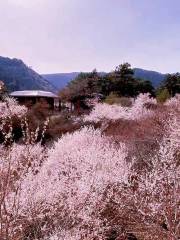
column 60, row 80
column 18, row 76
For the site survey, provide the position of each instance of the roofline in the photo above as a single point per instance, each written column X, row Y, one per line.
column 37, row 93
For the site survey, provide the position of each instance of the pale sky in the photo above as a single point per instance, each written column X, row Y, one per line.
column 55, row 36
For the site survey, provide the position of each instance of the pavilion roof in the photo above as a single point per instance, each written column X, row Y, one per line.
column 33, row 93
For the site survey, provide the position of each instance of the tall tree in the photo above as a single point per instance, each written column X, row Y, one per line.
column 124, row 82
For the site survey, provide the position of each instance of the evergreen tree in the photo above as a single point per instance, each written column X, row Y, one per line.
column 124, row 82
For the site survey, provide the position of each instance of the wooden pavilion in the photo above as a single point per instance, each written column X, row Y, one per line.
column 31, row 97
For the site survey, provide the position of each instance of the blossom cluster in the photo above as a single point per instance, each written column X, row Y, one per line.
column 9, row 108
column 138, row 110
column 174, row 101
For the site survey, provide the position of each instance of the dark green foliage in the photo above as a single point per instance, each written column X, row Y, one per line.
column 81, row 88
column 123, row 80
column 172, row 83
column 125, row 84
column 84, row 84
column 105, row 84
column 144, row 86
column 17, row 76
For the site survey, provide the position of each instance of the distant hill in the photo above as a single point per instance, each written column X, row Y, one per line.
column 60, row 80
column 18, row 76
column 155, row 77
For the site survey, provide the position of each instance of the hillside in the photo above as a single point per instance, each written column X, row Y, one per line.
column 18, row 76
column 60, row 80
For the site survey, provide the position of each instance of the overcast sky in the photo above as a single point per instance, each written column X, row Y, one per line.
column 80, row 35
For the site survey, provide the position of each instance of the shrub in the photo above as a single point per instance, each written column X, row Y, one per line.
column 115, row 99
column 162, row 95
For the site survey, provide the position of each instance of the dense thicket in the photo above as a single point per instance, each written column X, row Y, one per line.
column 121, row 82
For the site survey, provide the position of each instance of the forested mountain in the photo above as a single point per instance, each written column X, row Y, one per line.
column 60, row 80
column 18, row 76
